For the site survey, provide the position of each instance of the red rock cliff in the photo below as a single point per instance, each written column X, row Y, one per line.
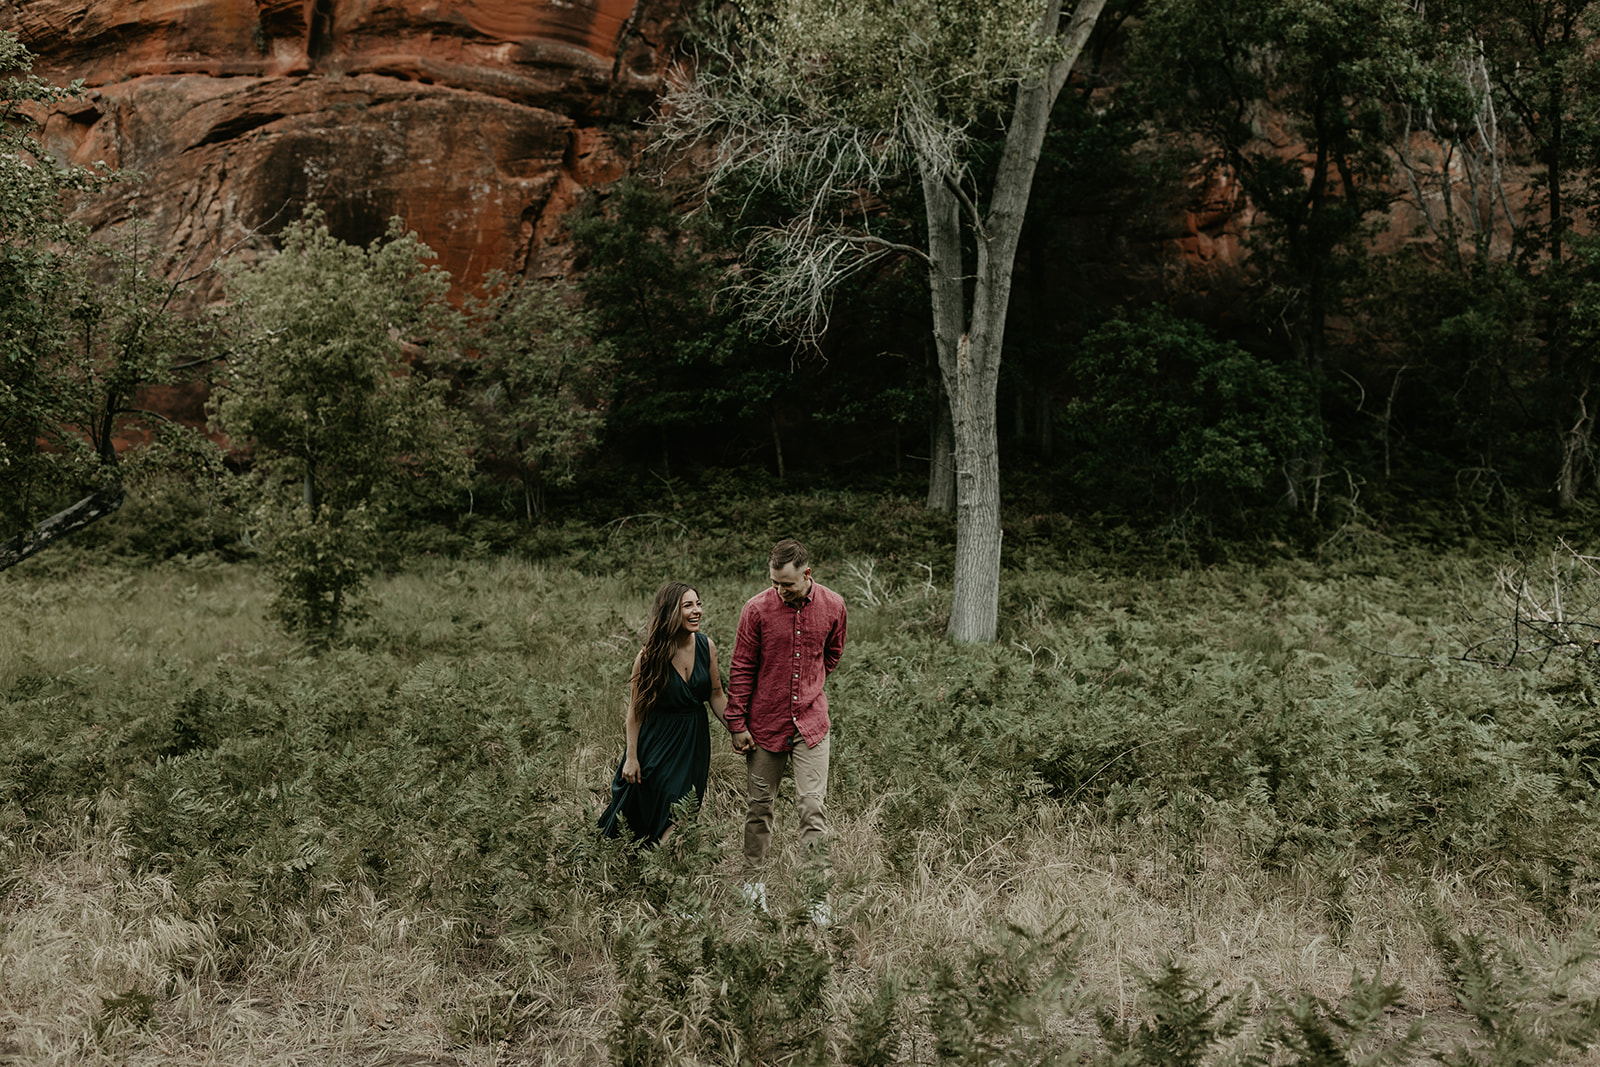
column 477, row 121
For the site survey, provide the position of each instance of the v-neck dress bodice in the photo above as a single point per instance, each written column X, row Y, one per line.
column 674, row 755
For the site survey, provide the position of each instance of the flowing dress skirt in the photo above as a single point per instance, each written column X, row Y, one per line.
column 674, row 757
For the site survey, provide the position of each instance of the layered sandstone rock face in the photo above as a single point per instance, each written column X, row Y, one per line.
column 476, row 121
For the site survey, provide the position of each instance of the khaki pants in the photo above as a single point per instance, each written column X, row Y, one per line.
column 763, row 772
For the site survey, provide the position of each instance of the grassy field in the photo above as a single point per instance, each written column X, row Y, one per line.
column 1172, row 816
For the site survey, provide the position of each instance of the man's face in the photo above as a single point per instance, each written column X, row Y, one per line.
column 791, row 583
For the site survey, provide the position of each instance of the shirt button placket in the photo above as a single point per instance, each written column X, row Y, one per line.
column 794, row 684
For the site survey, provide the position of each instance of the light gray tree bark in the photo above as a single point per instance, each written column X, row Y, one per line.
column 970, row 337
column 827, row 103
column 942, row 469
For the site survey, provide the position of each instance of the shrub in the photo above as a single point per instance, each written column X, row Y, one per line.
column 340, row 429
column 1167, row 410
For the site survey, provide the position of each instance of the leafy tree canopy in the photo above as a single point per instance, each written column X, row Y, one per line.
column 320, row 391
column 823, row 103
column 85, row 326
column 538, row 379
column 1189, row 417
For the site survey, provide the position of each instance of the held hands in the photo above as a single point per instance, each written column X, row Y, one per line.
column 630, row 770
column 743, row 742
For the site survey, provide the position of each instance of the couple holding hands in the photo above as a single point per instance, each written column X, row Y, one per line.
column 789, row 640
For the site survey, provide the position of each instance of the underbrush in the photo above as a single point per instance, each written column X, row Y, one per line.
column 1222, row 815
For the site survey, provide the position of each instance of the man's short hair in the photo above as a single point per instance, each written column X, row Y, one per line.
column 789, row 551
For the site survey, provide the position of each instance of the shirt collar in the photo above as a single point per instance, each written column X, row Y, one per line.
column 805, row 601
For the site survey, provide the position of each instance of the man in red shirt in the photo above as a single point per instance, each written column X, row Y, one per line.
column 790, row 639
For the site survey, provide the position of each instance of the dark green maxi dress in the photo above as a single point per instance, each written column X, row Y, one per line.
column 674, row 755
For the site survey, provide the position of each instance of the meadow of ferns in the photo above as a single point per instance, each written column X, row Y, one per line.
column 1308, row 807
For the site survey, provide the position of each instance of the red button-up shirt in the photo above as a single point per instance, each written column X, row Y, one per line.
column 781, row 657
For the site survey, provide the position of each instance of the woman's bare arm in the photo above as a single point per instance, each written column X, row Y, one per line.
column 630, row 763
column 719, row 697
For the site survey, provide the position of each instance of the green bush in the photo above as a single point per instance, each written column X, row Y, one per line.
column 1168, row 412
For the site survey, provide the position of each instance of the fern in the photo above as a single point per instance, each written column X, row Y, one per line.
column 1522, row 999
column 1186, row 1022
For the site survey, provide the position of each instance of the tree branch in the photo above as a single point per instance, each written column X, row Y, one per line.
column 967, row 205
column 888, row 246
column 152, row 414
column 91, row 508
column 1084, row 17
column 220, row 356
column 796, row 288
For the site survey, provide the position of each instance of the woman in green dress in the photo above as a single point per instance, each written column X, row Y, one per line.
column 669, row 741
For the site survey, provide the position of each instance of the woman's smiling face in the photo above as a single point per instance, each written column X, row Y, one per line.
column 690, row 611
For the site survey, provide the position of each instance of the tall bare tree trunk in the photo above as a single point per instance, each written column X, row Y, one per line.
column 942, row 471
column 975, row 595
column 970, row 342
column 947, row 295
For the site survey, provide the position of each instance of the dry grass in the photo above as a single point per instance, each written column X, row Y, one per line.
column 347, row 984
column 357, row 980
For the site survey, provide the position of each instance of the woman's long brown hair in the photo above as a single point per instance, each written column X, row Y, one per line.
column 661, row 634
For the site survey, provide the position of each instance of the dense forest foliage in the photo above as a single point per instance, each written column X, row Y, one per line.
column 1413, row 195
column 1390, row 299
column 1284, row 265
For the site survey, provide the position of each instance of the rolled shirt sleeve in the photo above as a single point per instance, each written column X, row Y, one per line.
column 744, row 667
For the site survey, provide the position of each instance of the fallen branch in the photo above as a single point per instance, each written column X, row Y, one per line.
column 95, row 506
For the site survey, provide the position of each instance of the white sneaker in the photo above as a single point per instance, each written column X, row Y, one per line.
column 754, row 895
column 820, row 914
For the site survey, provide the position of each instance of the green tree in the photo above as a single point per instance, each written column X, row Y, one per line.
column 1169, row 410
column 320, row 390
column 1511, row 98
column 688, row 363
column 827, row 103
column 1331, row 74
column 1540, row 58
column 1440, row 329
column 1443, row 370
column 84, row 328
column 647, row 280
column 538, row 382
